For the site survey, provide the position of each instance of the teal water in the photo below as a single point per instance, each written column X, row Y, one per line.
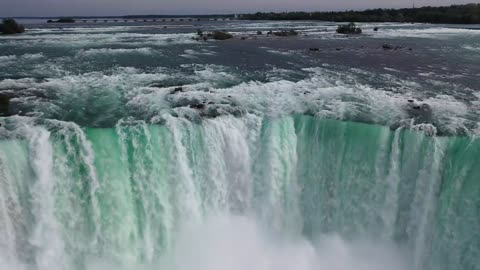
column 128, row 197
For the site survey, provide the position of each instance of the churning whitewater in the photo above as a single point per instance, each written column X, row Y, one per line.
column 139, row 148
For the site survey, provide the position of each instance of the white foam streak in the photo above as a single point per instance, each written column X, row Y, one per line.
column 189, row 201
column 111, row 52
column 427, row 32
column 79, row 39
column 10, row 209
column 46, row 237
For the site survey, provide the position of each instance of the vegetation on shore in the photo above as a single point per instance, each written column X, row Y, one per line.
column 10, row 27
column 456, row 14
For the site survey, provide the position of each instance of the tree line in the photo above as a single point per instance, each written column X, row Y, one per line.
column 455, row 14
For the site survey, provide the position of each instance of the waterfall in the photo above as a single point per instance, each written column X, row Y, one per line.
column 235, row 193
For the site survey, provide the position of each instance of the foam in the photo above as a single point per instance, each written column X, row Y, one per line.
column 110, row 51
column 32, row 56
column 192, row 54
column 14, row 59
column 472, row 48
column 238, row 243
column 76, row 39
column 323, row 93
column 428, row 32
column 7, row 57
column 280, row 52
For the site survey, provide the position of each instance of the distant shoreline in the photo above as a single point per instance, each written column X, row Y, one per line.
column 454, row 14
column 129, row 17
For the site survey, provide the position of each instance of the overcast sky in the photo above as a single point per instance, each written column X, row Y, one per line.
column 17, row 8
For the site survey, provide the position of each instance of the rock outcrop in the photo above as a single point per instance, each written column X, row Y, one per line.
column 285, row 33
column 216, row 35
column 349, row 29
column 4, row 104
column 420, row 112
column 220, row 35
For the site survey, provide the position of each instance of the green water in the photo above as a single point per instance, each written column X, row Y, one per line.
column 71, row 198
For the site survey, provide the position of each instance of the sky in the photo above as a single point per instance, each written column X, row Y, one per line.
column 44, row 8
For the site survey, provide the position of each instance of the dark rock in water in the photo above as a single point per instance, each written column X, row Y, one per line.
column 184, row 101
column 286, row 33
column 243, row 38
column 10, row 27
column 338, row 49
column 375, row 29
column 259, row 33
column 219, row 35
column 410, row 49
column 270, row 32
column 157, row 85
column 411, row 100
column 217, row 111
column 350, row 28
column 314, row 49
column 391, row 47
column 197, row 106
column 200, row 32
column 4, row 104
column 177, row 90
column 421, row 113
column 387, row 47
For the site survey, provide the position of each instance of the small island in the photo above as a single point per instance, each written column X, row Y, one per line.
column 62, row 20
column 216, row 35
column 10, row 27
column 349, row 29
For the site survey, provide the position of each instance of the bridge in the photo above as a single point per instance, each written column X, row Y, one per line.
column 134, row 20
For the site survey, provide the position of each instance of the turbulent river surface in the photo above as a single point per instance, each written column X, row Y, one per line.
column 136, row 146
